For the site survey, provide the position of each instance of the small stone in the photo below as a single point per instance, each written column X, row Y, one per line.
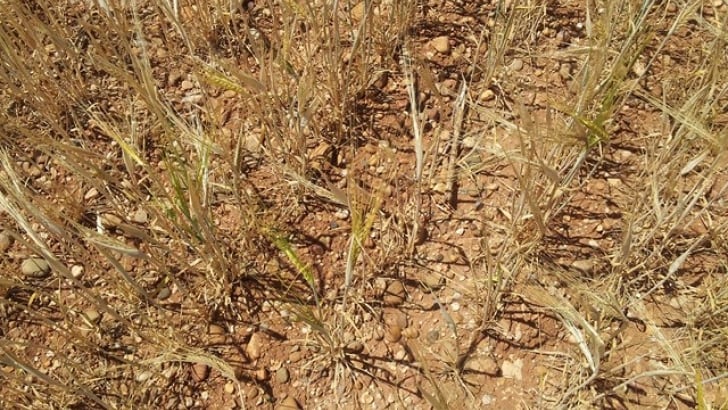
column 91, row 194
column 187, row 85
column 261, row 374
column 512, row 369
column 140, row 216
column 486, row 95
column 469, row 142
column 6, row 240
column 164, row 293
column 355, row 347
column 77, row 271
column 143, row 376
column 282, row 375
column 109, row 221
column 289, row 403
column 395, row 293
column 565, row 71
column 433, row 280
column 441, row 44
column 35, row 268
column 584, row 266
column 342, row 214
column 200, row 371
column 92, row 316
column 393, row 334
column 516, row 65
column 229, row 388
column 483, row 364
column 255, row 345
column 432, row 336
column 295, row 357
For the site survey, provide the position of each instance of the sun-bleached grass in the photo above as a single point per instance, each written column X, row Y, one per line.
column 308, row 66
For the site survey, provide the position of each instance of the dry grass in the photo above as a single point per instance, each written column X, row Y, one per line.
column 177, row 167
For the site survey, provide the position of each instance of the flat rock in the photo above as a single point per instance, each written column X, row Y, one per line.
column 35, row 268
column 289, row 403
column 512, row 369
column 282, row 375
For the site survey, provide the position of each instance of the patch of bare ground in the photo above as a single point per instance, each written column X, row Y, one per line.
column 379, row 204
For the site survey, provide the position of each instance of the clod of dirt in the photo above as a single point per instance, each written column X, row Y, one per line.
column 441, row 44
column 289, row 403
column 255, row 345
column 483, row 364
column 512, row 369
column 6, row 241
column 200, row 372
column 35, row 268
column 282, row 375
column 395, row 293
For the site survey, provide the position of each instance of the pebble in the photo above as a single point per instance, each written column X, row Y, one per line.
column 164, row 293
column 282, row 375
column 200, row 371
column 486, row 95
column 289, row 403
column 6, row 240
column 584, row 266
column 355, row 347
column 92, row 315
column 441, row 44
column 77, row 271
column 229, row 388
column 35, row 268
column 395, row 293
column 483, row 364
column 109, row 221
column 393, row 334
column 516, row 65
column 187, row 85
column 433, row 280
column 255, row 344
column 140, row 216
column 512, row 369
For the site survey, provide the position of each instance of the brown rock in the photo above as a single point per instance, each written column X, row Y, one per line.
column 393, row 334
column 255, row 345
column 441, row 44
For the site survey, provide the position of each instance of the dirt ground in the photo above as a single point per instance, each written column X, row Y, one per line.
column 463, row 296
